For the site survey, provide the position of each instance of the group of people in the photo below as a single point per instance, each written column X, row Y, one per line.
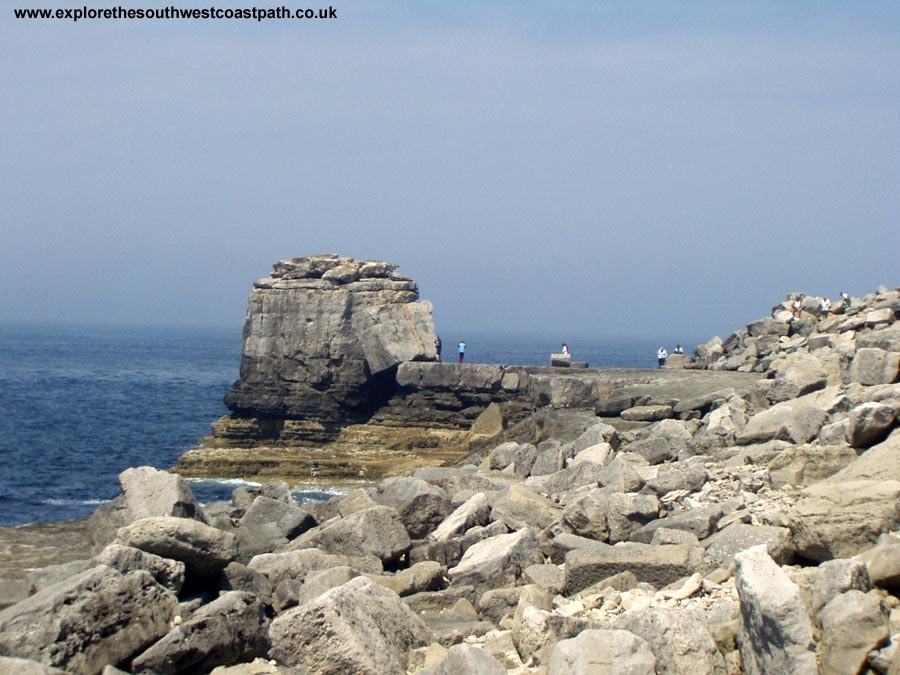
column 461, row 348
column 824, row 305
column 662, row 356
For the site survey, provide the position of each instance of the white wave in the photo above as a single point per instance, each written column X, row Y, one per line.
column 69, row 502
column 225, row 481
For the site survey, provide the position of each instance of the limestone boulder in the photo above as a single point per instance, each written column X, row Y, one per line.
column 853, row 624
column 87, row 621
column 798, row 375
column 474, row 511
column 14, row 665
column 648, row 413
column 676, row 476
column 359, row 627
column 657, row 565
column 602, row 652
column 627, row 513
column 838, row 520
column 420, row 505
column 874, row 366
column 679, row 638
column 834, row 577
column 870, row 423
column 377, row 531
column 497, row 561
column 466, row 660
column 586, row 516
column 727, row 543
column 786, row 422
column 146, row 492
column 230, row 629
column 169, row 573
column 297, row 564
column 884, row 566
column 596, row 433
column 204, row 550
column 775, row 634
column 521, row 507
column 421, row 577
column 803, row 465
column 880, row 462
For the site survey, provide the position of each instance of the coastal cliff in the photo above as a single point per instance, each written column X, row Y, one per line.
column 339, row 379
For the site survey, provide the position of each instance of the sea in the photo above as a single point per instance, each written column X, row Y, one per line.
column 81, row 403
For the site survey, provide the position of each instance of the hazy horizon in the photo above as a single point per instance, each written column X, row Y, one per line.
column 612, row 169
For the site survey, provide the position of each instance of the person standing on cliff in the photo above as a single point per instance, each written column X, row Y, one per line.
column 565, row 349
column 661, row 356
column 462, row 351
column 437, row 346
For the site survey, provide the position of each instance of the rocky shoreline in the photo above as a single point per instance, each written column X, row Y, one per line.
column 750, row 528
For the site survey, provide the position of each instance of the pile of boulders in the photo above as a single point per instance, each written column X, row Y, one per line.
column 739, row 532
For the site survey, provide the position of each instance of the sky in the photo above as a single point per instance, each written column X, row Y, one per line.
column 591, row 168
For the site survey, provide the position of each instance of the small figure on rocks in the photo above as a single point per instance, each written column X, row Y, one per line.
column 824, row 307
column 437, row 346
column 845, row 298
column 661, row 356
column 462, row 351
column 565, row 349
column 678, row 350
column 797, row 306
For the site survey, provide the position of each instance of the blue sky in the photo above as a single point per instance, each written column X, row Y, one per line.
column 630, row 168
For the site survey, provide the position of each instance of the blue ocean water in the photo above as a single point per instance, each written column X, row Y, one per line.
column 83, row 403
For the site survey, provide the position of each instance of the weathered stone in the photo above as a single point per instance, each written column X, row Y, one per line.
column 501, row 457
column 521, row 507
column 797, row 424
column 314, row 347
column 700, row 521
column 600, row 453
column 679, row 639
column 602, row 652
column 627, row 513
column 834, row 577
column 421, row 506
column 870, row 423
column 474, row 511
column 884, row 566
column 231, row 628
column 497, row 561
column 169, row 573
column 315, row 584
column 297, row 564
column 586, row 516
column 658, row 565
column 775, row 635
column 596, row 433
column 725, row 544
column 146, row 492
column 376, row 531
column 11, row 665
column 677, row 476
column 853, row 624
column 95, row 618
column 204, row 550
column 466, row 660
column 648, row 413
column 879, row 463
column 358, row 628
column 800, row 374
column 838, row 520
column 239, row 577
column 549, row 577
column 874, row 366
column 804, row 465
column 427, row 575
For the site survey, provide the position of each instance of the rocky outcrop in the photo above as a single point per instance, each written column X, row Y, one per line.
column 322, row 333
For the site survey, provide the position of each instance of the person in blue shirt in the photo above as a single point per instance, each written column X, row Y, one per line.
column 462, row 351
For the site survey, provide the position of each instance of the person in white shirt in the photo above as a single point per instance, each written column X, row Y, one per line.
column 462, row 351
column 661, row 356
column 565, row 348
column 825, row 307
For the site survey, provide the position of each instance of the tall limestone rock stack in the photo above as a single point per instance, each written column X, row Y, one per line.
column 321, row 333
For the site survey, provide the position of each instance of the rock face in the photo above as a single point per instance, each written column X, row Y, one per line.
column 322, row 332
